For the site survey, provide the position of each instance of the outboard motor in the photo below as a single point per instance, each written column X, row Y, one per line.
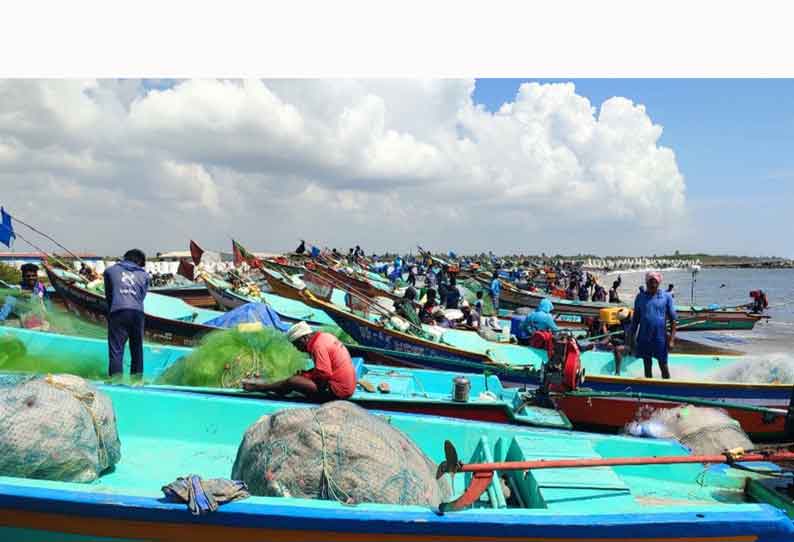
column 563, row 371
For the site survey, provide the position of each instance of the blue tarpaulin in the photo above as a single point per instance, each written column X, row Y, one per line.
column 249, row 313
column 6, row 228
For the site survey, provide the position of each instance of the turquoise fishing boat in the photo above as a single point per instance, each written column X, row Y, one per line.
column 406, row 390
column 166, row 434
column 390, row 388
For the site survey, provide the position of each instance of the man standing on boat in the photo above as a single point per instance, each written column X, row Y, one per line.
column 653, row 308
column 333, row 376
column 496, row 289
column 126, row 285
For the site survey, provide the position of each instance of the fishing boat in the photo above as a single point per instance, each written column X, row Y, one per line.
column 709, row 319
column 192, row 294
column 400, row 390
column 518, row 365
column 167, row 319
column 610, row 489
column 289, row 310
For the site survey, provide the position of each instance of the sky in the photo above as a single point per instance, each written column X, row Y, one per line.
column 605, row 166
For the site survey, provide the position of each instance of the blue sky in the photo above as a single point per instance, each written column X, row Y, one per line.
column 733, row 140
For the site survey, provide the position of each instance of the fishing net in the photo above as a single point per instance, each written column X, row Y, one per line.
column 769, row 369
column 703, row 430
column 56, row 428
column 469, row 290
column 15, row 357
column 31, row 312
column 338, row 451
column 224, row 358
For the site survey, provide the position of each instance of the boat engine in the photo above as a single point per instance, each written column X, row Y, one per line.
column 563, row 371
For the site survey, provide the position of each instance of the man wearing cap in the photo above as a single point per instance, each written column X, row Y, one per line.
column 333, row 376
column 471, row 318
column 653, row 308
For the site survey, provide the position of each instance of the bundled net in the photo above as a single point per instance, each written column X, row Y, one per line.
column 338, row 451
column 31, row 312
column 57, row 427
column 703, row 430
column 225, row 357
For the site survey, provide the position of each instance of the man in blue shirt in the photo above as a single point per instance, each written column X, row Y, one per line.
column 652, row 310
column 126, row 284
column 496, row 289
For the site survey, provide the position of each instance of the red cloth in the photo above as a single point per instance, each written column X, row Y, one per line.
column 332, row 365
column 543, row 340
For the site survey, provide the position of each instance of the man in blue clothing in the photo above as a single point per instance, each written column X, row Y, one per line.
column 653, row 308
column 541, row 319
column 496, row 289
column 126, row 284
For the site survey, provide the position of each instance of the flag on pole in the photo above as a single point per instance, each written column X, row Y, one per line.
column 186, row 269
column 6, row 228
column 242, row 255
column 195, row 252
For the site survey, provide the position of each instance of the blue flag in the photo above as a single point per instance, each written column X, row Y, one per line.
column 6, row 228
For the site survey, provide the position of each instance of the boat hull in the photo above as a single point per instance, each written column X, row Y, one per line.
column 612, row 414
column 142, row 521
column 703, row 320
column 198, row 296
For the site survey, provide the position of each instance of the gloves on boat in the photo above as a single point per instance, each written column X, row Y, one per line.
column 204, row 496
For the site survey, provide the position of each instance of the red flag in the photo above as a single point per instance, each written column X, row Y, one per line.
column 195, row 252
column 186, row 269
column 242, row 255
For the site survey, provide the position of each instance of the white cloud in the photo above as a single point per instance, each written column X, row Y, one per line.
column 387, row 162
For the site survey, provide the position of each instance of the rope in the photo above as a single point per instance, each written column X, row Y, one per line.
column 329, row 489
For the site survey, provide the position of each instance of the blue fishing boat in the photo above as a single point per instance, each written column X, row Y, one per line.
column 166, row 434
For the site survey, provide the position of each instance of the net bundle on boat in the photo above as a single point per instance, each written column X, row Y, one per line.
column 225, row 357
column 703, row 430
column 337, row 451
column 57, row 427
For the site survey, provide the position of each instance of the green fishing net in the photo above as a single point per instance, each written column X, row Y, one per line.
column 469, row 289
column 32, row 312
column 339, row 333
column 14, row 357
column 224, row 358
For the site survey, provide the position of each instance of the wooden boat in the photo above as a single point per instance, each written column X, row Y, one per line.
column 194, row 294
column 409, row 390
column 288, row 309
column 512, row 297
column 167, row 319
column 684, row 502
column 357, row 281
column 517, row 365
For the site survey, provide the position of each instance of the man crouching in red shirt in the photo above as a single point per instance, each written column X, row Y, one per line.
column 333, row 376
